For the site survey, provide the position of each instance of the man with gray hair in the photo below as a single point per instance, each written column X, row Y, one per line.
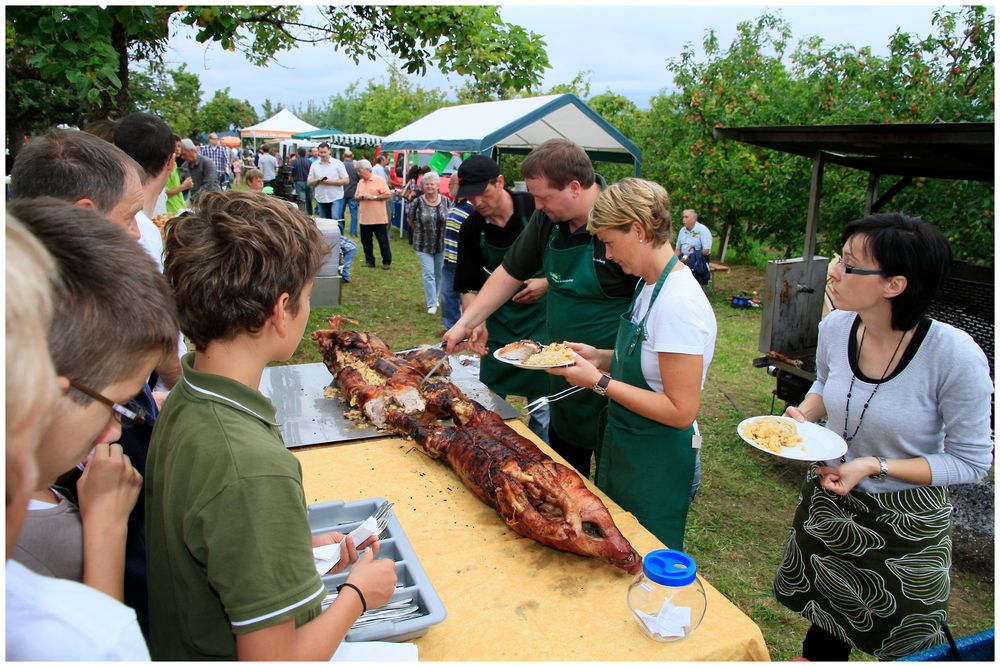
column 694, row 245
column 83, row 169
column 199, row 169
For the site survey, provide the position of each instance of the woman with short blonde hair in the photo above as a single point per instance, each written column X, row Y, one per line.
column 654, row 375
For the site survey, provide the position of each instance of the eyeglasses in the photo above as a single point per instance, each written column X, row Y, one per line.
column 858, row 271
column 127, row 415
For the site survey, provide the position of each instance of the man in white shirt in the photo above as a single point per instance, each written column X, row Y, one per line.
column 694, row 245
column 328, row 176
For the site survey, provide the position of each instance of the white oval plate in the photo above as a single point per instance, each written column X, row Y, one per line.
column 512, row 362
column 818, row 442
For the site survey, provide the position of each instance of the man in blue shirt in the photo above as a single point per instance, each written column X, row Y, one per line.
column 694, row 245
column 300, row 175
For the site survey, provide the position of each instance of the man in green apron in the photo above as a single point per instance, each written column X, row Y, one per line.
column 487, row 233
column 586, row 292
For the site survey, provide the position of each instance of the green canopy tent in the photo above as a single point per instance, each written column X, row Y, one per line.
column 515, row 127
column 344, row 139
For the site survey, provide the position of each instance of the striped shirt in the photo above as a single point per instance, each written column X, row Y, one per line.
column 458, row 213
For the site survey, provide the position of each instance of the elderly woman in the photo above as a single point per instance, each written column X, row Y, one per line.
column 427, row 215
column 655, row 373
column 868, row 557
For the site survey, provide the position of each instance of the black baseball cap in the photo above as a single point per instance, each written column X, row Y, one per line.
column 474, row 174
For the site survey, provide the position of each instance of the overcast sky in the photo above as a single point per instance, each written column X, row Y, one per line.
column 625, row 48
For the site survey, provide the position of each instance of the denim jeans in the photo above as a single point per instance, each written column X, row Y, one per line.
column 451, row 301
column 348, row 249
column 696, row 482
column 352, row 204
column 337, row 211
column 332, row 210
column 430, row 269
column 381, row 232
column 302, row 194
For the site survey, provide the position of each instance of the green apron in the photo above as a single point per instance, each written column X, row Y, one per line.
column 512, row 321
column 643, row 465
column 578, row 311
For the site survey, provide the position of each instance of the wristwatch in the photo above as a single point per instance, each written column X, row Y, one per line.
column 883, row 471
column 601, row 386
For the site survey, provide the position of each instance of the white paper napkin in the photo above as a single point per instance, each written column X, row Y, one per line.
column 327, row 556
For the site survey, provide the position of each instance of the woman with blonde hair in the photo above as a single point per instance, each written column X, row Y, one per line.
column 654, row 375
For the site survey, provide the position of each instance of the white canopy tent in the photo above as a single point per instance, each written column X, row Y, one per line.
column 516, row 126
column 281, row 125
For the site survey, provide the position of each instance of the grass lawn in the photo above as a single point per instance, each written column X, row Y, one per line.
column 743, row 511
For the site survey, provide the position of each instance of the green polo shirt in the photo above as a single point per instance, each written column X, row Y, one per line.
column 525, row 257
column 227, row 536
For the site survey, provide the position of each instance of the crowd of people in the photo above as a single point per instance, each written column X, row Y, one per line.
column 153, row 510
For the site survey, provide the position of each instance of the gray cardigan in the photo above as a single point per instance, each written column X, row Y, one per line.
column 936, row 407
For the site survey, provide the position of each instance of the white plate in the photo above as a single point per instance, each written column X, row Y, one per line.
column 818, row 442
column 512, row 362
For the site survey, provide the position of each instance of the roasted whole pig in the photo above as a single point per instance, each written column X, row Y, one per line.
column 537, row 497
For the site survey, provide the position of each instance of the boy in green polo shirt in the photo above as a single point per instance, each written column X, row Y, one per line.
column 231, row 573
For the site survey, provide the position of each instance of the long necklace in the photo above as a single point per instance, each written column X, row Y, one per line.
column 847, row 409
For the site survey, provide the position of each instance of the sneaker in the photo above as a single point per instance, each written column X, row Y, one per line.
column 433, row 310
column 386, row 267
column 369, row 266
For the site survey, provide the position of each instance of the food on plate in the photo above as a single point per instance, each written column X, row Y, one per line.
column 520, row 350
column 772, row 433
column 553, row 354
column 161, row 219
column 537, row 497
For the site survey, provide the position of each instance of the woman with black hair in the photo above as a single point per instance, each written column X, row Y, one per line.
column 868, row 557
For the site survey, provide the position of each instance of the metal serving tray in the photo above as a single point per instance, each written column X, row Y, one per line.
column 307, row 417
column 412, row 582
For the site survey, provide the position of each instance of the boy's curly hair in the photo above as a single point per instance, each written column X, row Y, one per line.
column 230, row 260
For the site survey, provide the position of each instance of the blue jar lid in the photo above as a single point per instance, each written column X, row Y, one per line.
column 669, row 568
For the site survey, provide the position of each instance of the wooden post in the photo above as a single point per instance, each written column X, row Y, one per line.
column 725, row 242
column 871, row 192
column 812, row 221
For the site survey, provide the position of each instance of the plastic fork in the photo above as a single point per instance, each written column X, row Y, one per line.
column 540, row 403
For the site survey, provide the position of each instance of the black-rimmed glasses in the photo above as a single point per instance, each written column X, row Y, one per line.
column 848, row 268
column 128, row 415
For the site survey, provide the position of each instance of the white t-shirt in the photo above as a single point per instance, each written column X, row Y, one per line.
column 334, row 170
column 150, row 238
column 152, row 242
column 56, row 619
column 682, row 322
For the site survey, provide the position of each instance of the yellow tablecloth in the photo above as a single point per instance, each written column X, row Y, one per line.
column 508, row 597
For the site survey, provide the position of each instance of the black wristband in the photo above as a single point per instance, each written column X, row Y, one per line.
column 364, row 605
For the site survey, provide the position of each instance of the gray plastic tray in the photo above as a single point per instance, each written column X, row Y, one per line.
column 412, row 581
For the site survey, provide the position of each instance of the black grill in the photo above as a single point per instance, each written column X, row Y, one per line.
column 966, row 302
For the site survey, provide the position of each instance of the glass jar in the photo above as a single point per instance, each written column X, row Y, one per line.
column 667, row 598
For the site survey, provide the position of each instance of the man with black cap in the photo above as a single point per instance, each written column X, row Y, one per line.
column 587, row 293
column 499, row 216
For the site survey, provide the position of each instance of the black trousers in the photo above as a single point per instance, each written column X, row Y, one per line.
column 381, row 232
column 820, row 646
column 576, row 456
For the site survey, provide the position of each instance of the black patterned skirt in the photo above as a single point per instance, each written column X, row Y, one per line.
column 870, row 568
